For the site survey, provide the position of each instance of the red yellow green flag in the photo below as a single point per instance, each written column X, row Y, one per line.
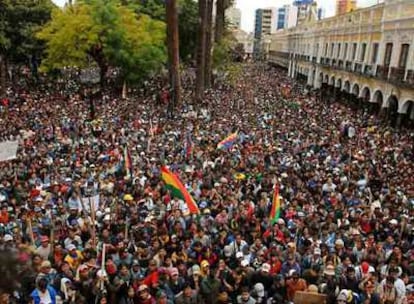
column 178, row 190
column 275, row 211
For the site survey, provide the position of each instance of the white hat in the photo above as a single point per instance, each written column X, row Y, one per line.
column 244, row 263
column 8, row 238
column 266, row 267
column 393, row 222
column 259, row 288
column 239, row 255
column 71, row 247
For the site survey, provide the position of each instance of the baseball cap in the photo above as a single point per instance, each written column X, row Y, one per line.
column 259, row 288
column 266, row 267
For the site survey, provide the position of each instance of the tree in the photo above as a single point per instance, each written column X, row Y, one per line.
column 19, row 21
column 187, row 27
column 201, row 50
column 105, row 33
column 187, row 21
column 173, row 50
column 209, row 44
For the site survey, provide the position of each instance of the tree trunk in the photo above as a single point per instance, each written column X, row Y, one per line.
column 220, row 19
column 173, row 51
column 3, row 73
column 124, row 90
column 209, row 44
column 201, row 50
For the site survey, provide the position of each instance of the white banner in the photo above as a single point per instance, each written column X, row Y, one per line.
column 94, row 201
column 8, row 150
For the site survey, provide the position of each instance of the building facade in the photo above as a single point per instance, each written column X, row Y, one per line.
column 265, row 25
column 233, row 17
column 286, row 17
column 345, row 6
column 367, row 54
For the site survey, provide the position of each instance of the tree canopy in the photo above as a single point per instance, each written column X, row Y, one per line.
column 19, row 20
column 107, row 33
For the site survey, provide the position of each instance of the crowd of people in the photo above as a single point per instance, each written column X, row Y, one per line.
column 88, row 218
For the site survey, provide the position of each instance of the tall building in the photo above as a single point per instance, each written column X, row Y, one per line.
column 286, row 17
column 321, row 13
column 373, row 68
column 345, row 6
column 233, row 17
column 306, row 9
column 265, row 25
column 265, row 22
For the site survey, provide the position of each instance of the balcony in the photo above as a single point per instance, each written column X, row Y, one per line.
column 397, row 75
column 314, row 59
column 382, row 72
column 368, row 70
column 410, row 77
column 348, row 66
column 358, row 68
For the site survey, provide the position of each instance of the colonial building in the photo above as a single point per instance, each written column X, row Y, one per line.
column 367, row 54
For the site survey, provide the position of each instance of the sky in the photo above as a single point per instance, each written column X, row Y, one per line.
column 248, row 8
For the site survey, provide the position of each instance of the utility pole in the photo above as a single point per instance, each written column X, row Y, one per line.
column 173, row 51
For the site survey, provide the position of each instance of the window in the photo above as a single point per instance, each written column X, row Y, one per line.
column 388, row 54
column 363, row 51
column 345, row 51
column 354, row 49
column 326, row 49
column 317, row 50
column 374, row 57
column 403, row 56
column 338, row 51
column 332, row 49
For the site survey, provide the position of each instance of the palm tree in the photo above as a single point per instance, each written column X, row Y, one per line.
column 173, row 50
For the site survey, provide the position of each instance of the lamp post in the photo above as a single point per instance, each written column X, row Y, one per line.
column 90, row 79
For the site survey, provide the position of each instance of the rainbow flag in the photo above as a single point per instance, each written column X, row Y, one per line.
column 178, row 190
column 127, row 163
column 228, row 142
column 275, row 211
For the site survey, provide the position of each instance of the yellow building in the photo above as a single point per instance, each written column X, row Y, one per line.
column 367, row 53
column 345, row 6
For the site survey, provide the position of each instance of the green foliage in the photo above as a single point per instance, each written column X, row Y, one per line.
column 223, row 52
column 188, row 28
column 19, row 20
column 107, row 32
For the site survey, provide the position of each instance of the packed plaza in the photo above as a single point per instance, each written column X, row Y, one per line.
column 290, row 181
column 346, row 196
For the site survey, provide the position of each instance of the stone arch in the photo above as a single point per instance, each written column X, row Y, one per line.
column 392, row 105
column 378, row 97
column 339, row 83
column 347, row 86
column 406, row 106
column 376, row 102
column 332, row 81
column 355, row 89
column 366, row 94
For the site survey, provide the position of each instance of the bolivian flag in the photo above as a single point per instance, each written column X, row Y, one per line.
column 275, row 211
column 228, row 142
column 178, row 190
